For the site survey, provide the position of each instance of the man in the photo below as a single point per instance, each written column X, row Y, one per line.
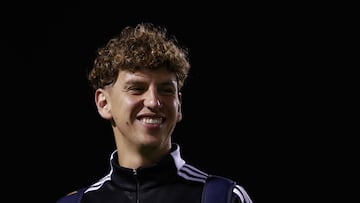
column 137, row 78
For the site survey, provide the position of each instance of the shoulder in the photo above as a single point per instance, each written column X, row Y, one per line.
column 191, row 173
column 219, row 186
column 72, row 197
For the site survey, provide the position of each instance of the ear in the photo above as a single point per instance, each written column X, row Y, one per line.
column 179, row 117
column 102, row 104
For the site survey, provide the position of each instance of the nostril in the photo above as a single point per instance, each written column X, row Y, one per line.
column 153, row 103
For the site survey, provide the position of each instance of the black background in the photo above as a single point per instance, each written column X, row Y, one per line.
column 259, row 107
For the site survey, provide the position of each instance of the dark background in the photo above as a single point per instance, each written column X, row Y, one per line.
column 260, row 105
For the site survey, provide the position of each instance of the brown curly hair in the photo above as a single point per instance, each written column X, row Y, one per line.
column 144, row 46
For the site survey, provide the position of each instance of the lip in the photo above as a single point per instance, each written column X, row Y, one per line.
column 151, row 120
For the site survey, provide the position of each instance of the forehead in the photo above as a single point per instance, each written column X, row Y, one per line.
column 158, row 76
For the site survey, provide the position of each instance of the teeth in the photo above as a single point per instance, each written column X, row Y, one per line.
column 152, row 120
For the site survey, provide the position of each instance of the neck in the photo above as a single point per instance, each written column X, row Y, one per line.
column 143, row 156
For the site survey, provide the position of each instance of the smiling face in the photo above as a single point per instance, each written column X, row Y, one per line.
column 144, row 108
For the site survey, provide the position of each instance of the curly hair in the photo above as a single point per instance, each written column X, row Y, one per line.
column 144, row 46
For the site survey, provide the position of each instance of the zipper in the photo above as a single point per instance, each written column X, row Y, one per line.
column 137, row 186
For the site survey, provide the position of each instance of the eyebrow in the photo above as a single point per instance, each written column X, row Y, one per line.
column 136, row 81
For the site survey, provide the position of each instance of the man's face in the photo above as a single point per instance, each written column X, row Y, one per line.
column 144, row 106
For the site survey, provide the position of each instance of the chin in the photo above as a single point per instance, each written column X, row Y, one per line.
column 154, row 143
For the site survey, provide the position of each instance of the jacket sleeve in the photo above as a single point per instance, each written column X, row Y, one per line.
column 240, row 195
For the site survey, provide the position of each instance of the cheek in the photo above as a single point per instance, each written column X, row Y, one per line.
column 130, row 105
column 126, row 100
column 175, row 107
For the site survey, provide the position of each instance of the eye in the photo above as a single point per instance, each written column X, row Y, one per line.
column 167, row 90
column 136, row 89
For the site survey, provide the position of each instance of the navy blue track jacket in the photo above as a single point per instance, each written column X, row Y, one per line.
column 169, row 181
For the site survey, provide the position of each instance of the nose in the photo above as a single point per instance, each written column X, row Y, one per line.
column 152, row 99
